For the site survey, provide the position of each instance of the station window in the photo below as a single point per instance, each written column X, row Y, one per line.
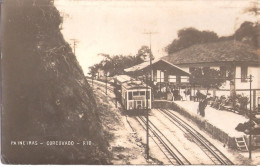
column 184, row 79
column 172, row 78
column 130, row 96
column 244, row 70
column 142, row 93
column 160, row 76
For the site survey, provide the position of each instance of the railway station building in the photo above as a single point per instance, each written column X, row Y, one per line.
column 236, row 60
column 160, row 74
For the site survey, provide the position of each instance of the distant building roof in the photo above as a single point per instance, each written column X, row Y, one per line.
column 224, row 51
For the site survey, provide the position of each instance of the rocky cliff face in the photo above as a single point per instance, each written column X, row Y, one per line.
column 45, row 96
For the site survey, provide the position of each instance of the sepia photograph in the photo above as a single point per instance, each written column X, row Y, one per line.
column 122, row 82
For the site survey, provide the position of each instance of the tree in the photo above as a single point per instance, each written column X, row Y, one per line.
column 143, row 54
column 115, row 65
column 247, row 32
column 93, row 71
column 207, row 78
column 253, row 8
column 190, row 36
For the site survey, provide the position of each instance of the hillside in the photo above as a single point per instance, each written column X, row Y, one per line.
column 45, row 96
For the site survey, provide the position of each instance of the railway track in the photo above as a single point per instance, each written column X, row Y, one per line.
column 169, row 150
column 109, row 87
column 210, row 150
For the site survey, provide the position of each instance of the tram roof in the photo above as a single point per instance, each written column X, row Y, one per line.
column 122, row 78
column 133, row 84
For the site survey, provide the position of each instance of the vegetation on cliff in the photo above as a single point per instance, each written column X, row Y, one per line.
column 45, row 96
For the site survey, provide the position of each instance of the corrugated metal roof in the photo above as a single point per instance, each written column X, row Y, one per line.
column 140, row 66
column 147, row 64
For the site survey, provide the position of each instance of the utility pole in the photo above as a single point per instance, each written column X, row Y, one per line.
column 75, row 42
column 104, row 63
column 151, row 78
column 250, row 119
column 115, row 89
column 150, row 38
column 147, row 119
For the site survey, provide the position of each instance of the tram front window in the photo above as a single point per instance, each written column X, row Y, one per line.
column 130, row 96
column 136, row 93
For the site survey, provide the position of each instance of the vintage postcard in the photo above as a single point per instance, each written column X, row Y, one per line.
column 123, row 82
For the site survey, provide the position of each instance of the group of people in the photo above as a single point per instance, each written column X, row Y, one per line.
column 182, row 94
column 219, row 103
column 185, row 94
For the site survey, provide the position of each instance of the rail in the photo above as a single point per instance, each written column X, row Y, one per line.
column 210, row 150
column 173, row 155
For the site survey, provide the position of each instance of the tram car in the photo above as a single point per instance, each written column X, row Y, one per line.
column 134, row 94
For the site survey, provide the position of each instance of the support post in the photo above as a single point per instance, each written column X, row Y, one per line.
column 254, row 100
column 160, row 81
column 250, row 120
column 194, row 94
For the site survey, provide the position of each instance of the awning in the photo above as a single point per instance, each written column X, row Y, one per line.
column 159, row 64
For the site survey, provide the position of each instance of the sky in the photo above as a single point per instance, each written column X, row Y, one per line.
column 118, row 27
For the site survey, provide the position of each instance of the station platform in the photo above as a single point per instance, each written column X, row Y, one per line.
column 225, row 120
column 220, row 124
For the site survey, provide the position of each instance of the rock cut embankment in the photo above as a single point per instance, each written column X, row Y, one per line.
column 45, row 96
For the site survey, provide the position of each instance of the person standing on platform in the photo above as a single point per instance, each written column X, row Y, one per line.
column 197, row 96
column 175, row 94
column 188, row 94
column 171, row 91
column 203, row 106
column 199, row 108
